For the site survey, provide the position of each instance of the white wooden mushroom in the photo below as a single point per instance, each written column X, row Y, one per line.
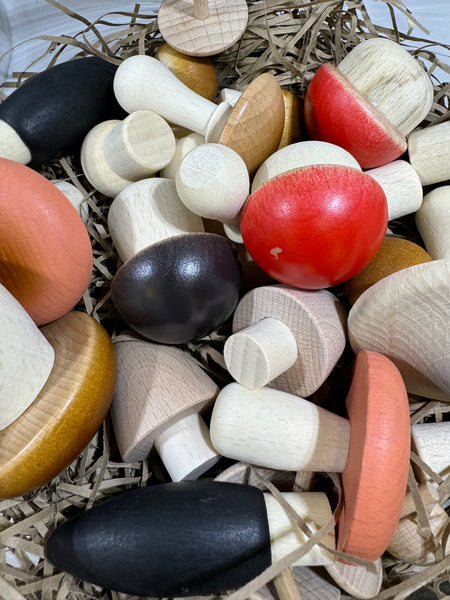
column 26, row 359
column 146, row 212
column 159, row 394
column 116, row 153
column 288, row 338
column 405, row 316
column 429, row 149
column 391, row 79
column 182, row 147
column 433, row 222
column 213, row 182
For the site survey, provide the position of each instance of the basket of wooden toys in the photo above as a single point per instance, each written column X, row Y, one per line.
column 225, row 273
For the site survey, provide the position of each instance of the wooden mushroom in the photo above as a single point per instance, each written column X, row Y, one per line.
column 116, row 153
column 433, row 222
column 316, row 226
column 48, row 116
column 26, row 359
column 187, row 538
column 431, row 442
column 183, row 145
column 405, row 317
column 45, row 251
column 304, row 436
column 395, row 254
column 428, row 151
column 159, row 394
column 288, row 338
column 253, row 128
column 213, row 182
column 66, row 414
column 202, row 27
column 198, row 73
column 75, row 197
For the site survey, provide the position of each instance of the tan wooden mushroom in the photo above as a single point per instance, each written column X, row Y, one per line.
column 405, row 316
column 159, row 394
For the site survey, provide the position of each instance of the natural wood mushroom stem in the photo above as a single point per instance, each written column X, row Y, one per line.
column 428, row 151
column 433, row 222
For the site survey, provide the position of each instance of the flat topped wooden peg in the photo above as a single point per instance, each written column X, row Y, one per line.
column 159, row 394
column 26, row 359
column 288, row 338
column 147, row 212
column 405, row 316
column 202, row 27
column 66, row 414
column 278, row 430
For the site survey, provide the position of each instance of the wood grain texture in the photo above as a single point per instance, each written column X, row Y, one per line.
column 376, row 472
column 12, row 146
column 317, row 321
column 53, row 431
column 433, row 222
column 198, row 73
column 116, row 153
column 391, row 79
column 157, row 386
column 75, row 197
column 26, row 359
column 336, row 112
column 394, row 255
column 146, row 212
column 360, row 582
column 45, row 251
column 431, row 441
column 402, row 186
column 428, row 151
column 202, row 33
column 255, row 126
column 213, row 182
column 276, row 430
column 302, row 154
column 183, row 145
column 404, row 316
column 293, row 114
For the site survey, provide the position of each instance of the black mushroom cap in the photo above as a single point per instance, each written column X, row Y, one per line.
column 179, row 289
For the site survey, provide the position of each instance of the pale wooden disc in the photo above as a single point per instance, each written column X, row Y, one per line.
column 157, row 385
column 361, row 582
column 317, row 320
column 405, row 316
column 181, row 29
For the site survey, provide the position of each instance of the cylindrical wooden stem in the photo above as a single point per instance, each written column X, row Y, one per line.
column 201, row 9
column 433, row 222
column 260, row 352
column 185, row 448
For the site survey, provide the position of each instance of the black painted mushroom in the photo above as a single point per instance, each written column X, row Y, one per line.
column 179, row 289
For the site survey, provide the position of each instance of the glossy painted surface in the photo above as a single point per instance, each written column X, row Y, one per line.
column 316, row 226
column 45, row 251
column 58, row 425
column 179, row 289
column 336, row 112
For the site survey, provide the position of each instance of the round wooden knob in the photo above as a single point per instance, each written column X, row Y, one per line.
column 198, row 538
column 394, row 255
column 428, row 153
column 179, row 289
column 433, row 222
column 198, row 73
column 336, row 112
column 66, row 414
column 402, row 317
column 147, row 212
column 46, row 254
column 202, row 27
column 316, row 226
column 391, row 79
column 116, row 153
column 159, row 394
column 213, row 182
column 48, row 115
column 316, row 322
column 26, row 359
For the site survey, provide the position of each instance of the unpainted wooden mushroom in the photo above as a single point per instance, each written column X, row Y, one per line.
column 433, row 222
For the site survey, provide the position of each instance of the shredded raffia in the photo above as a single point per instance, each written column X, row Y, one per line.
column 290, row 40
